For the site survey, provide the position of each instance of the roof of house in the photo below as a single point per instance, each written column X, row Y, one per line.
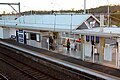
column 51, row 22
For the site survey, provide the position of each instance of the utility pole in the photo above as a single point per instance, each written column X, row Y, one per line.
column 10, row 4
column 84, row 6
column 108, row 14
column 19, row 8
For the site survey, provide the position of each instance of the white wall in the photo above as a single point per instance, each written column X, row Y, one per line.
column 12, row 32
column 108, row 53
column 118, row 54
column 1, row 32
column 34, row 43
column 88, row 49
column 6, row 33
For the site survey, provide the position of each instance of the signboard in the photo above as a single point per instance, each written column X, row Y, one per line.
column 97, row 39
column 20, row 36
column 92, row 38
column 78, row 40
column 87, row 38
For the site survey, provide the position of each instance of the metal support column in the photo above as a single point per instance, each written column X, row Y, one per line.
column 82, row 48
column 10, row 4
column 118, row 53
column 19, row 8
column 93, row 54
column 101, row 48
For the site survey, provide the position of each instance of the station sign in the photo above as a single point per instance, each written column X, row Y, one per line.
column 20, row 34
column 94, row 39
column 87, row 38
column 78, row 40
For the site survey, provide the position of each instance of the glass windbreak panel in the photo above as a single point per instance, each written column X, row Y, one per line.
column 67, row 34
column 71, row 35
column 63, row 34
column 88, row 49
column 77, row 36
column 110, row 52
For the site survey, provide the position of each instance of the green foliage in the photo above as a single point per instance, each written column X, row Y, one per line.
column 101, row 9
column 104, row 9
column 114, row 12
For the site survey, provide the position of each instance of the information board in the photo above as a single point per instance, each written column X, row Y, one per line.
column 21, row 36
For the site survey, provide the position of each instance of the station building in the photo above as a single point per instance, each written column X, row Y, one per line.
column 95, row 44
column 101, row 45
column 38, row 28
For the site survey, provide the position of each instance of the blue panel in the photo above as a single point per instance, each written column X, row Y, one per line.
column 92, row 38
column 20, row 31
column 20, row 35
column 87, row 38
column 97, row 39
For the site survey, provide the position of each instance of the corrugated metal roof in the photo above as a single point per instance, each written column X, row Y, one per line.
column 105, row 32
column 58, row 22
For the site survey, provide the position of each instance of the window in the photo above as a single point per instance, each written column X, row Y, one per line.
column 63, row 34
column 38, row 38
column 32, row 36
column 67, row 34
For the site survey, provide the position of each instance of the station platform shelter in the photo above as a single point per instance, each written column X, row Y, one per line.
column 101, row 46
column 98, row 45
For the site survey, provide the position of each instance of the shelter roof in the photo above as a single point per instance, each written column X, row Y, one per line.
column 101, row 31
column 51, row 22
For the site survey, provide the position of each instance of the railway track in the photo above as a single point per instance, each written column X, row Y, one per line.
column 23, row 71
column 28, row 69
column 31, row 67
column 2, row 77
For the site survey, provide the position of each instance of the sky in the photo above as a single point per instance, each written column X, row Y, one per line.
column 27, row 5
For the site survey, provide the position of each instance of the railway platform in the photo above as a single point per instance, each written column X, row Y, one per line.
column 95, row 69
